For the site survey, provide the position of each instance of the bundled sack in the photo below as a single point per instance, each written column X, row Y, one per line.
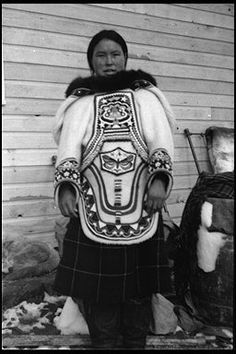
column 204, row 261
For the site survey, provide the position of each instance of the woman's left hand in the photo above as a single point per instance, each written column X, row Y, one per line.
column 156, row 196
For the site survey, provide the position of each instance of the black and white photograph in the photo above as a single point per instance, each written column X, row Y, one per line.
column 118, row 176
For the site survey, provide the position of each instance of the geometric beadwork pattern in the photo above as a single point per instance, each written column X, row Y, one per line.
column 114, row 174
column 160, row 160
column 112, row 231
column 115, row 118
column 118, row 161
column 68, row 170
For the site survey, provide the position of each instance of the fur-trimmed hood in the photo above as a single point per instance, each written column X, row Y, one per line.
column 121, row 80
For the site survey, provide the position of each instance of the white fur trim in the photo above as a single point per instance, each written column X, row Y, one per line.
column 206, row 214
column 209, row 243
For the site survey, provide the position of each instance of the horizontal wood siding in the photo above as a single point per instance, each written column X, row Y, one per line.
column 188, row 48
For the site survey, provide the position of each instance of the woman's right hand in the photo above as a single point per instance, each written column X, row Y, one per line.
column 67, row 201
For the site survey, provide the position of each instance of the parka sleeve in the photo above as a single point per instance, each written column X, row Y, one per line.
column 73, row 129
column 158, row 135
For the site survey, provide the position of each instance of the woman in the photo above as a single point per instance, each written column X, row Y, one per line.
column 113, row 174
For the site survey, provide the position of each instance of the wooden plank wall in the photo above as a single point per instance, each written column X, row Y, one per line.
column 187, row 47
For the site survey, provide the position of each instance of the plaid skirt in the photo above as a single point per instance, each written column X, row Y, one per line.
column 101, row 273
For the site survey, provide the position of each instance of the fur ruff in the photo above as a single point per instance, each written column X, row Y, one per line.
column 121, row 80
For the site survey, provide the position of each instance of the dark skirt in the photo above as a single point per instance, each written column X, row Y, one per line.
column 102, row 273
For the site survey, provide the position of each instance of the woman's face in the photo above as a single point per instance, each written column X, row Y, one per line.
column 108, row 58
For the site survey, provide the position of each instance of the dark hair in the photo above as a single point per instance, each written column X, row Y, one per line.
column 107, row 34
